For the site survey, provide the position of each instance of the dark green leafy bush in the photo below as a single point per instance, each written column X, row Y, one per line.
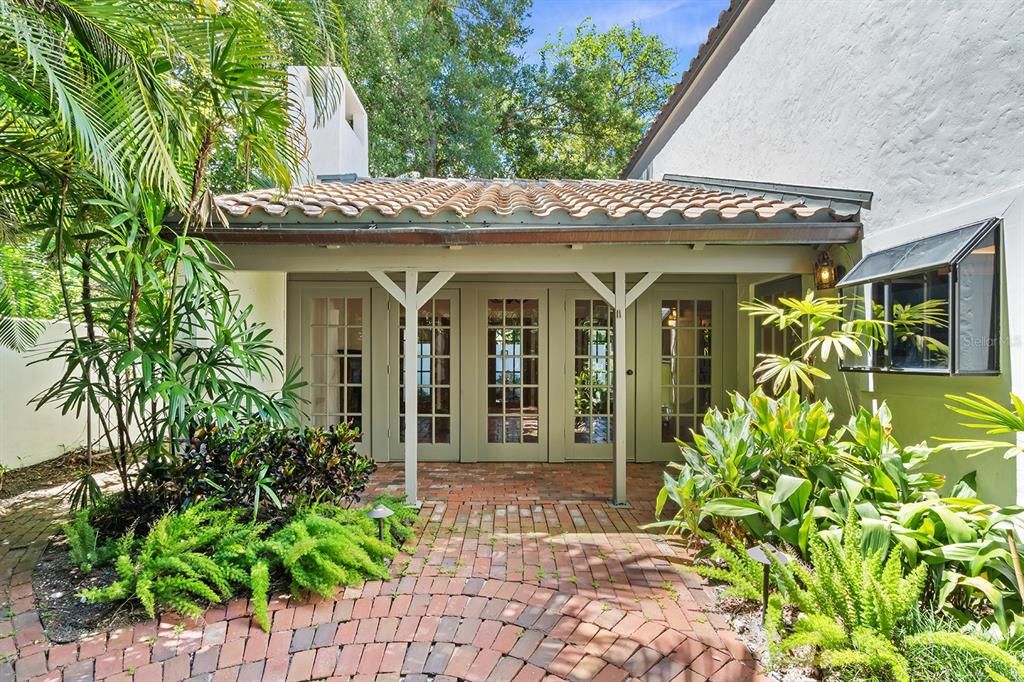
column 265, row 469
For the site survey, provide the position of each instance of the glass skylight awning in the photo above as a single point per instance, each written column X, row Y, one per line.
column 932, row 252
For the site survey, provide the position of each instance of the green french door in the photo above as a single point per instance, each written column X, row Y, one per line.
column 513, row 374
column 680, row 367
column 437, row 370
column 333, row 327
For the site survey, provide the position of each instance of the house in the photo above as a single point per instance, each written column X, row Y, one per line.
column 555, row 320
column 591, row 320
column 923, row 104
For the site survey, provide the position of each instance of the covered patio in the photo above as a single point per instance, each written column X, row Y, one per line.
column 508, row 367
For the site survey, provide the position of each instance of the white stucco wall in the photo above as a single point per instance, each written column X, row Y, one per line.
column 27, row 435
column 920, row 102
column 267, row 293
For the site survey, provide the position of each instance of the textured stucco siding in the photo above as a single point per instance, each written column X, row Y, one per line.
column 920, row 102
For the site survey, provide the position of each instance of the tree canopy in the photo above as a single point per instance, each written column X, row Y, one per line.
column 449, row 93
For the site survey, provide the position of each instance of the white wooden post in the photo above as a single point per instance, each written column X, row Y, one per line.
column 619, row 358
column 411, row 364
column 412, row 299
column 620, row 299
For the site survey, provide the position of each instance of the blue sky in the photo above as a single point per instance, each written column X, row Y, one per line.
column 682, row 24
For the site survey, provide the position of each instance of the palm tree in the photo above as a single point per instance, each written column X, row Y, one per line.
column 110, row 113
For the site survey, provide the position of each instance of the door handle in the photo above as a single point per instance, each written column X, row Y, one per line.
column 629, row 372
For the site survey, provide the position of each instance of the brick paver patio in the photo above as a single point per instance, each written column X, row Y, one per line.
column 521, row 572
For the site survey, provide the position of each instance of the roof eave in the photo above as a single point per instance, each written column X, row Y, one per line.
column 810, row 233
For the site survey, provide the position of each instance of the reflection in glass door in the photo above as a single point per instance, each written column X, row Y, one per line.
column 686, row 380
column 514, row 424
column 433, row 371
column 336, row 360
column 593, row 404
column 437, row 372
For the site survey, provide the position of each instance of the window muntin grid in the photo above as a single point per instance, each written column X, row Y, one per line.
column 685, row 366
column 592, row 372
column 336, row 354
column 433, row 372
column 513, row 370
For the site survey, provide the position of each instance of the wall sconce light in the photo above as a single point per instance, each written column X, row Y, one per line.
column 825, row 271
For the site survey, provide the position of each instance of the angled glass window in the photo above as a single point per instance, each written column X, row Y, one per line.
column 939, row 297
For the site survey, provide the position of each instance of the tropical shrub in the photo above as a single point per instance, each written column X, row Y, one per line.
column 851, row 603
column 188, row 559
column 775, row 469
column 264, row 469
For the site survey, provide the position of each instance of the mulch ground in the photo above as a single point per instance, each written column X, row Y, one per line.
column 63, row 470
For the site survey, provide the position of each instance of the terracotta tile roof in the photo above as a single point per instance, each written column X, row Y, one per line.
column 617, row 203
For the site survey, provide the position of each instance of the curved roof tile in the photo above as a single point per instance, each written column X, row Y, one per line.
column 405, row 200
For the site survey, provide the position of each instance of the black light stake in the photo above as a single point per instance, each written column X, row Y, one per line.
column 759, row 555
column 378, row 514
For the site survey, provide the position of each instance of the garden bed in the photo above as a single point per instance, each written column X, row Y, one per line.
column 66, row 617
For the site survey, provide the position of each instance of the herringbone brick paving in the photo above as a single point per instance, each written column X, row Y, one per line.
column 520, row 572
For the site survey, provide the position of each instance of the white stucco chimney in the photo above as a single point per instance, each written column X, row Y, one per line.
column 339, row 145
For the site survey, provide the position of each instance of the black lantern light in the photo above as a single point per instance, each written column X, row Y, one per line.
column 825, row 275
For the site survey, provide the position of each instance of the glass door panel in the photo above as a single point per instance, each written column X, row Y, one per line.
column 591, row 364
column 336, row 360
column 514, row 423
column 437, row 363
column 329, row 336
column 686, row 360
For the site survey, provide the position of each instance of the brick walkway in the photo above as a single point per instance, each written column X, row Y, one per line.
column 521, row 572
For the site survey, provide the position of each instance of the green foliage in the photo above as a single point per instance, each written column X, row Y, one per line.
column 582, row 110
column 82, row 541
column 989, row 416
column 319, row 552
column 450, row 94
column 957, row 657
column 777, row 469
column 731, row 565
column 821, row 329
column 265, row 469
column 187, row 560
column 858, row 611
column 84, row 493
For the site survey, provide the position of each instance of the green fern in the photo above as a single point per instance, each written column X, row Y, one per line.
column 856, row 608
column 82, row 541
column 187, row 560
column 730, row 564
column 320, row 553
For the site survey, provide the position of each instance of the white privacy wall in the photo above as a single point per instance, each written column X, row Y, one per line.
column 27, row 435
column 920, row 102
